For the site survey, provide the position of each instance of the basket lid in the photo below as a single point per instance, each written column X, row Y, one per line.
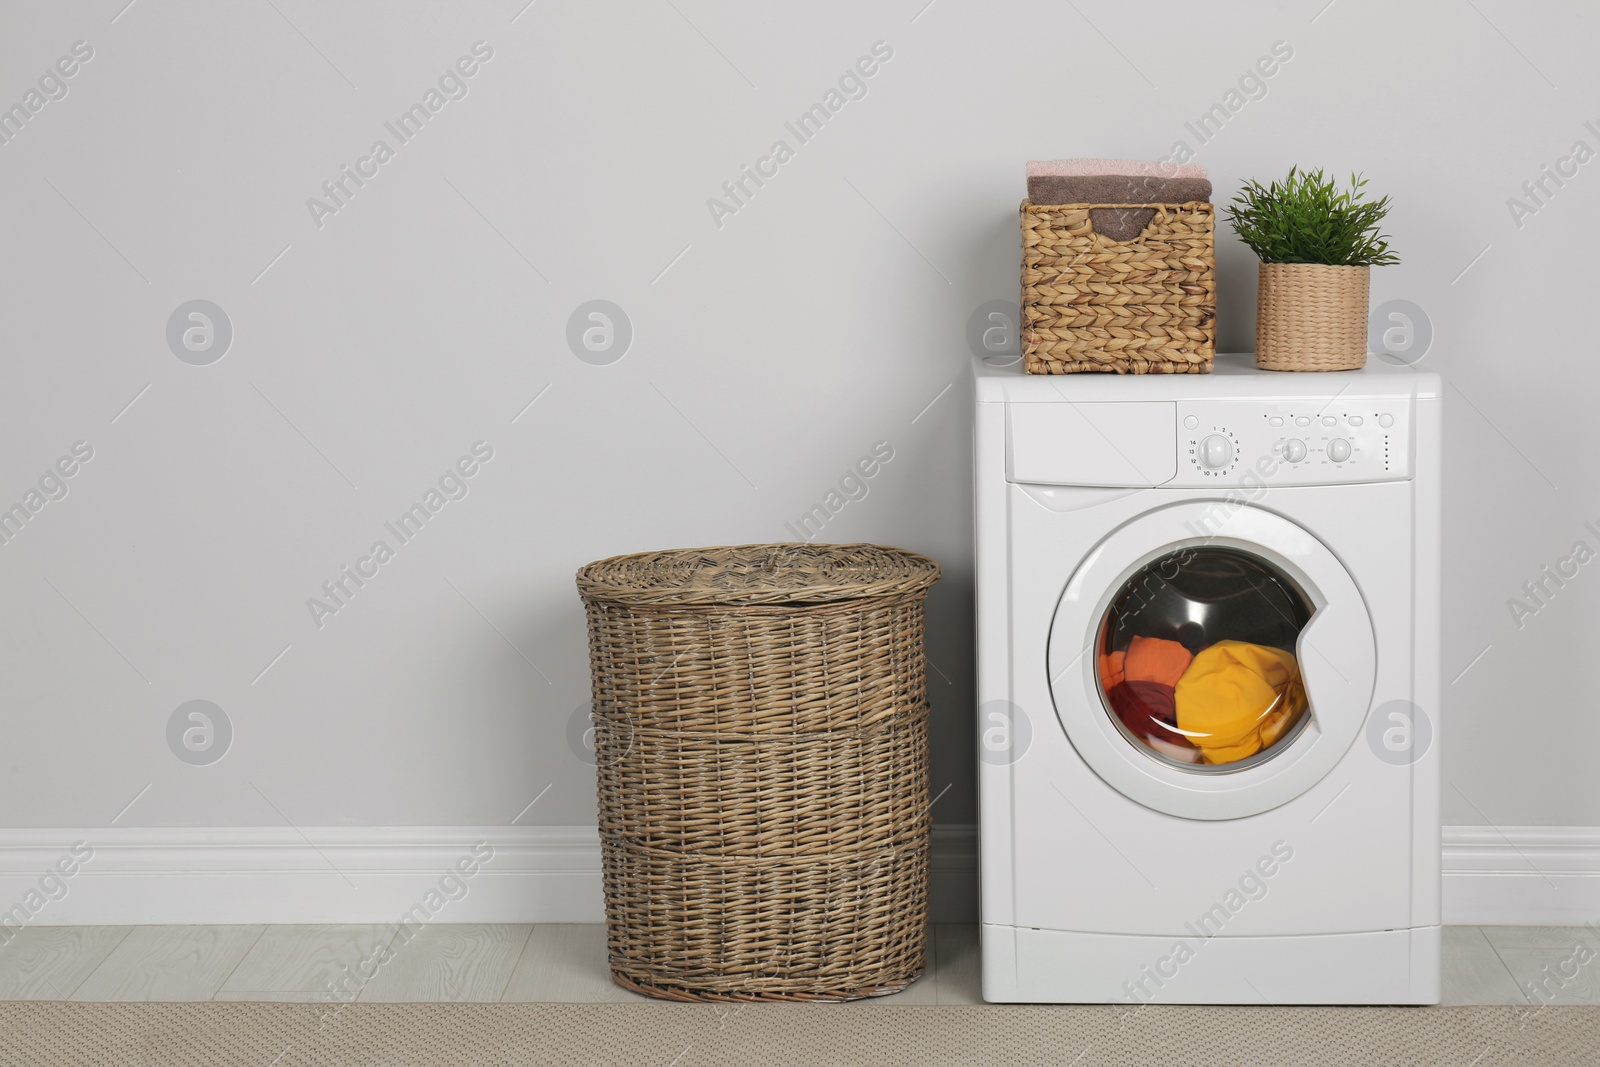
column 791, row 573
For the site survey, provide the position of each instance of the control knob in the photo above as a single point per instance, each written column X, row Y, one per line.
column 1294, row 450
column 1338, row 450
column 1216, row 452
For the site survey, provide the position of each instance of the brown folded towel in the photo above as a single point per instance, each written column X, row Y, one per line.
column 1118, row 224
column 1116, row 189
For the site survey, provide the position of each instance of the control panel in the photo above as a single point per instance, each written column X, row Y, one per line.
column 1293, row 442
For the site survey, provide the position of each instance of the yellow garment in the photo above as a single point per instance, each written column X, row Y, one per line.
column 1237, row 698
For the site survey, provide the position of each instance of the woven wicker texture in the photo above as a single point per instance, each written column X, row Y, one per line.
column 1145, row 306
column 1310, row 316
column 784, row 573
column 42, row 1034
column 760, row 720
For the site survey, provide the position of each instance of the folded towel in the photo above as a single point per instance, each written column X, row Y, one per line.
column 1116, row 189
column 1117, row 224
column 1120, row 223
column 1080, row 168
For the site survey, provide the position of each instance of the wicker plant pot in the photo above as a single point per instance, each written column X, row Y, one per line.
column 760, row 720
column 1145, row 306
column 1310, row 316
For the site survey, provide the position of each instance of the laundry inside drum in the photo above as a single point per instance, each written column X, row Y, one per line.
column 1196, row 659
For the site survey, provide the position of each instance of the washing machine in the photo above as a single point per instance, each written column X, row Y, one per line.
column 1208, row 698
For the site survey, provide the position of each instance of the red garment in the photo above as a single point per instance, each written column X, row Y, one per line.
column 1148, row 710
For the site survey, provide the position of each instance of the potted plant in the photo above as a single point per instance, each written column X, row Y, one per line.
column 1316, row 244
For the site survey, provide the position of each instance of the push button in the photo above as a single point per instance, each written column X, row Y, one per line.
column 1386, row 420
column 1190, row 422
column 1302, row 420
column 1276, row 420
column 1329, row 420
column 1356, row 420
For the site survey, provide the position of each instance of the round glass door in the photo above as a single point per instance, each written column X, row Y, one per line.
column 1195, row 659
column 1270, row 663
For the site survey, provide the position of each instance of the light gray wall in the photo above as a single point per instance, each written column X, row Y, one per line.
column 771, row 348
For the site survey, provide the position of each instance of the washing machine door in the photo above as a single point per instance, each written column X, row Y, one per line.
column 1211, row 660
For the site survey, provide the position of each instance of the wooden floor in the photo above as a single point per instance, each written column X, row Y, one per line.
column 557, row 962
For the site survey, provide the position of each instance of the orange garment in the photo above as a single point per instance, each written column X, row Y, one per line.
column 1155, row 659
column 1237, row 698
column 1111, row 669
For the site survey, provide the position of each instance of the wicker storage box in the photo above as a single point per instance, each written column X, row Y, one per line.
column 760, row 719
column 1145, row 306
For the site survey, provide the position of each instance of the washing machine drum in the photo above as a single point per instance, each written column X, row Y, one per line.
column 1195, row 658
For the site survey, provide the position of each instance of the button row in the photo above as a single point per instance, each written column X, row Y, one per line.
column 1385, row 420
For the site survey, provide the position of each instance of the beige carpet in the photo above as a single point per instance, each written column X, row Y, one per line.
column 288, row 1035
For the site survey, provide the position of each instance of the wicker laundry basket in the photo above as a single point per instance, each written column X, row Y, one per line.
column 760, row 719
column 1145, row 306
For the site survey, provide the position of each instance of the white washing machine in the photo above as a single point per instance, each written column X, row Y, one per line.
column 1208, row 658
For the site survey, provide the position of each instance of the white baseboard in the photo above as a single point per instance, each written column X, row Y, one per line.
column 1521, row 875
column 138, row 876
column 314, row 875
column 1509, row 875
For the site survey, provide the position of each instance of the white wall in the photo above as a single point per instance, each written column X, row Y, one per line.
column 769, row 353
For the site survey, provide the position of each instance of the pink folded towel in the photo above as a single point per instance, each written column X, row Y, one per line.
column 1081, row 168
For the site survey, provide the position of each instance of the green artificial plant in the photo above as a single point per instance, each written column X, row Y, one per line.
column 1306, row 219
